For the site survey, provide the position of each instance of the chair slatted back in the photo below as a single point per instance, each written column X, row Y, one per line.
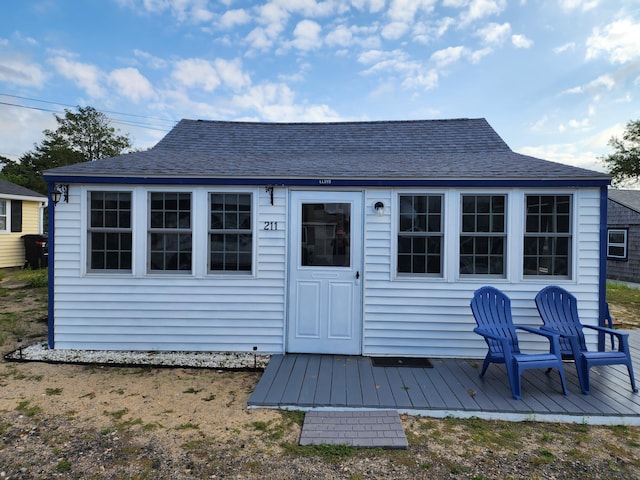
column 492, row 311
column 559, row 311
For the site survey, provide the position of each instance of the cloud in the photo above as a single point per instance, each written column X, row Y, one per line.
column 18, row 70
column 583, row 5
column 340, row 36
column 606, row 82
column 232, row 18
column 152, row 61
column 394, row 30
column 196, row 72
column 520, row 41
column 132, row 84
column 565, row 48
column 494, row 33
column 306, row 35
column 231, row 74
column 413, row 75
column 405, row 10
column 618, row 41
column 195, row 11
column 275, row 102
column 86, row 76
column 373, row 6
column 447, row 56
column 479, row 9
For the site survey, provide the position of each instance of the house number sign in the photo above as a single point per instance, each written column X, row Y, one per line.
column 270, row 226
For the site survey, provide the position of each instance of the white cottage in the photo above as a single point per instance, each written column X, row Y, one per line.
column 350, row 238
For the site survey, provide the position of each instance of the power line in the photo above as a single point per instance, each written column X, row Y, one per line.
column 149, row 126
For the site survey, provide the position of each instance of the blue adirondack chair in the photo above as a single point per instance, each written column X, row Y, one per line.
column 492, row 311
column 559, row 311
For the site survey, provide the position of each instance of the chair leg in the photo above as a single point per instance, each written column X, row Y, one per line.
column 633, row 380
column 513, row 373
column 485, row 365
column 562, row 380
column 584, row 377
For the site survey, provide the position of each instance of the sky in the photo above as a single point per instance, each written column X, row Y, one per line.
column 555, row 78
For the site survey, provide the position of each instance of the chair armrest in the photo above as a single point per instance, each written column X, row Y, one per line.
column 623, row 337
column 610, row 331
column 553, row 337
column 487, row 334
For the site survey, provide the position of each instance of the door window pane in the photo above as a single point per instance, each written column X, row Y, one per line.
column 326, row 234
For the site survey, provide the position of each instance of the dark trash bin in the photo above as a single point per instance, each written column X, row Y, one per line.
column 36, row 251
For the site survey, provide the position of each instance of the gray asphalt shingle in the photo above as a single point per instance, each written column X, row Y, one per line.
column 8, row 188
column 421, row 149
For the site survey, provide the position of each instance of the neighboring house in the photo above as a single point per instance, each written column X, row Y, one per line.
column 623, row 235
column 21, row 213
column 349, row 238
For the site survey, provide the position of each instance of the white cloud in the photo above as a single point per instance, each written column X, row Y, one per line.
column 405, row 10
column 231, row 74
column 447, row 56
column 565, row 48
column 479, row 9
column 86, row 76
column 618, row 41
column 494, row 33
column 606, row 82
column 196, row 72
column 520, row 41
column 273, row 19
column 340, row 36
column 18, row 70
column 583, row 5
column 412, row 74
column 275, row 102
column 394, row 30
column 576, row 153
column 306, row 35
column 232, row 18
column 152, row 61
column 373, row 6
column 478, row 55
column 132, row 84
column 195, row 11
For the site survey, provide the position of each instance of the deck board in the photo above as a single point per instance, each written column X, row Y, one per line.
column 451, row 387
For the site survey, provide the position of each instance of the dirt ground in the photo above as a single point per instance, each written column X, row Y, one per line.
column 89, row 422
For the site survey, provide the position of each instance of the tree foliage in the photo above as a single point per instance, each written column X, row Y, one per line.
column 81, row 136
column 624, row 163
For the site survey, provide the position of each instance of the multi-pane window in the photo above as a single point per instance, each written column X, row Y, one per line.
column 230, row 232
column 617, row 243
column 483, row 235
column 3, row 216
column 109, row 231
column 170, row 236
column 547, row 240
column 420, row 234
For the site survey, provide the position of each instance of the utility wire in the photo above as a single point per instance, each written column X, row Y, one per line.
column 149, row 126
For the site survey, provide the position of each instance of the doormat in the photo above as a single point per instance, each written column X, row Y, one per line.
column 415, row 362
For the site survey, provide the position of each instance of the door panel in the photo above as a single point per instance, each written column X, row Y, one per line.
column 324, row 271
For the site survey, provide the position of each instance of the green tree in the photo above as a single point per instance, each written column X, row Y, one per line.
column 624, row 163
column 82, row 136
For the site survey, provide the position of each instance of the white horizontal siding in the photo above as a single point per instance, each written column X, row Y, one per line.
column 431, row 316
column 194, row 312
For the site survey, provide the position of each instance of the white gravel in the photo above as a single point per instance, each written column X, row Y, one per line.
column 228, row 360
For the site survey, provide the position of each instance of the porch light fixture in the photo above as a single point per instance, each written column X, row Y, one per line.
column 60, row 192
column 379, row 208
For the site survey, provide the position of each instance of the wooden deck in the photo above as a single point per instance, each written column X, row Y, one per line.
column 451, row 388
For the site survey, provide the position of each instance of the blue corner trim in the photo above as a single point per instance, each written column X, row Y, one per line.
column 604, row 197
column 51, row 274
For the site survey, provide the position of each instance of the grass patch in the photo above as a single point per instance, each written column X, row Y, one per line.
column 53, row 391
column 330, row 453
column 188, row 426
column 117, row 414
column 27, row 409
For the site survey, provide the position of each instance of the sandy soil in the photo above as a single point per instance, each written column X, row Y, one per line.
column 72, row 421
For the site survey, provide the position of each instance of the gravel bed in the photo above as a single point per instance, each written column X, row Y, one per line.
column 225, row 361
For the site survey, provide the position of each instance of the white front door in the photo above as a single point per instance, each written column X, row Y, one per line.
column 325, row 273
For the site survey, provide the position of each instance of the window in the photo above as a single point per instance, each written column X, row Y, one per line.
column 420, row 234
column 483, row 235
column 617, row 243
column 110, row 231
column 230, row 232
column 170, row 237
column 3, row 216
column 547, row 240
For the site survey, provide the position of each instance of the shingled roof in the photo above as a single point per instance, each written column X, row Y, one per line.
column 626, row 198
column 422, row 149
column 8, row 188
